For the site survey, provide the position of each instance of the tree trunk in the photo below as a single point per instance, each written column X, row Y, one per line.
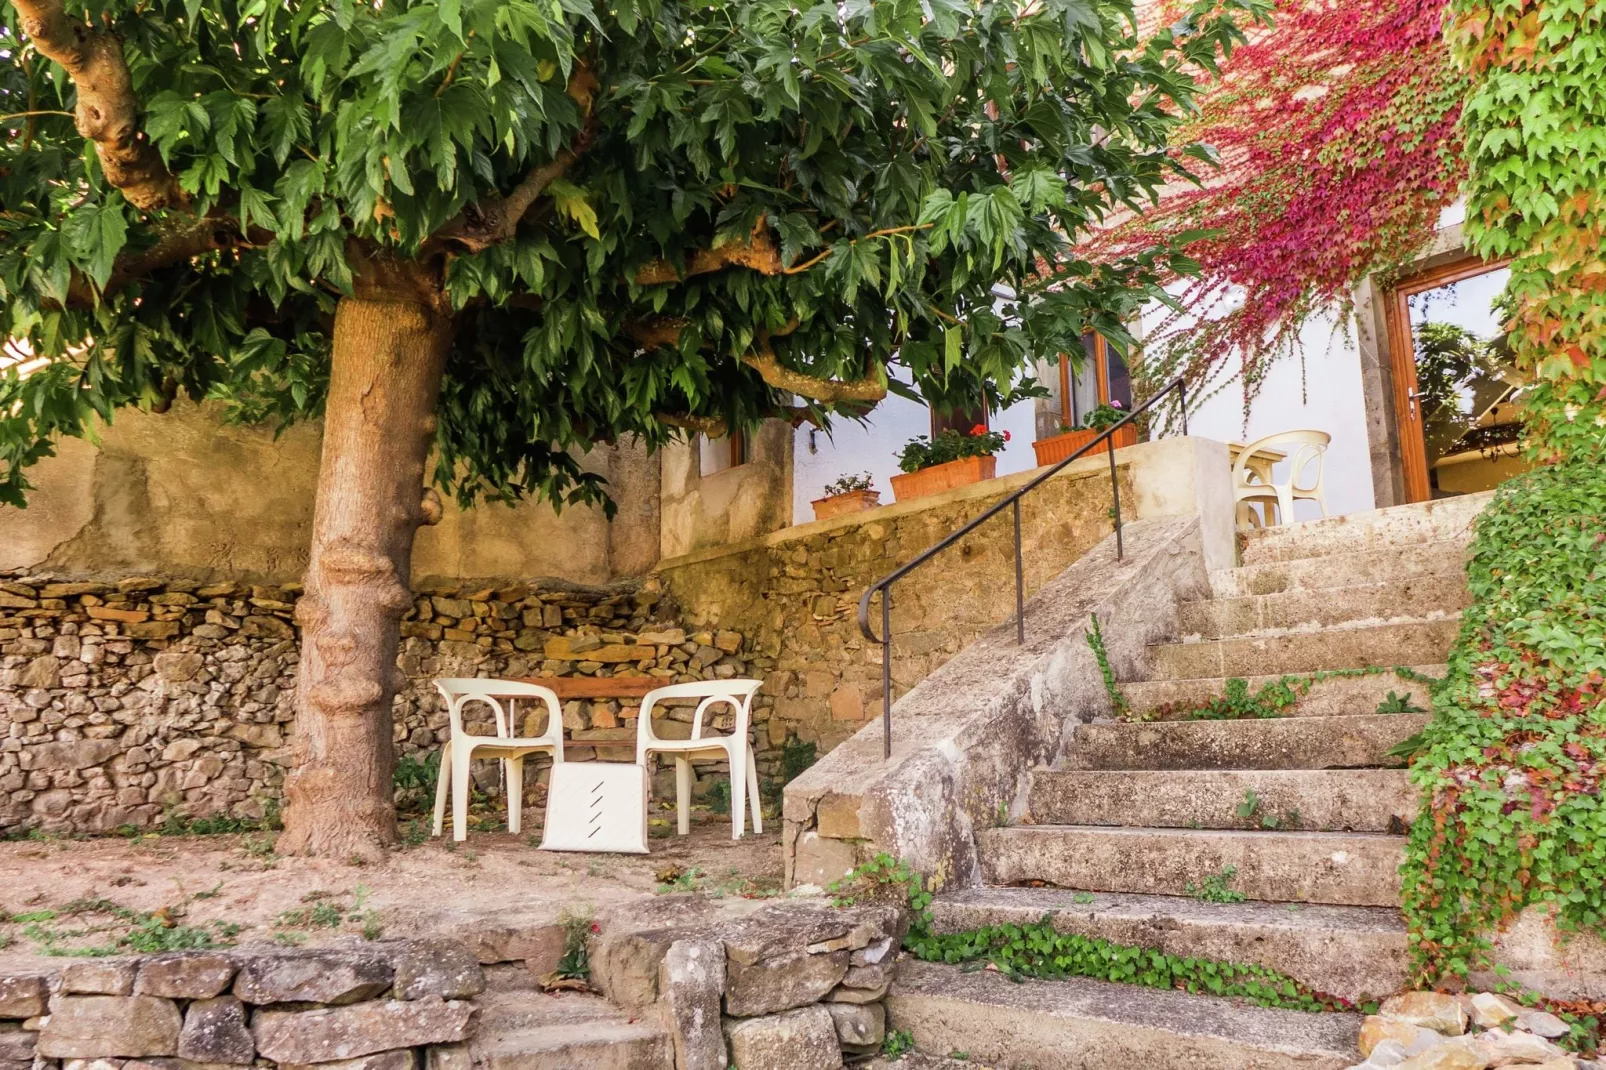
column 389, row 357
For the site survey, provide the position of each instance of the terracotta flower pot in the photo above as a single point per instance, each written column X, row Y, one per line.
column 854, row 501
column 941, row 477
column 1057, row 448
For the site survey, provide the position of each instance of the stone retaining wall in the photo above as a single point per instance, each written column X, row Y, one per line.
column 127, row 701
column 383, row 1005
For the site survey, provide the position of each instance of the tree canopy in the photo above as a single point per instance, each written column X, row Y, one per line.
column 638, row 216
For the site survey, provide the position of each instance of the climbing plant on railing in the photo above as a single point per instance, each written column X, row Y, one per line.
column 1336, row 134
column 1512, row 763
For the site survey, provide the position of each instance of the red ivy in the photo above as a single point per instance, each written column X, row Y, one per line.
column 1336, row 130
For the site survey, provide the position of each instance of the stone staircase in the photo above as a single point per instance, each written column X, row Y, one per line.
column 522, row 1028
column 1307, row 811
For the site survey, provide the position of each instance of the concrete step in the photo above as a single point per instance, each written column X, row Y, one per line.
column 1171, row 699
column 1318, row 800
column 1381, row 645
column 1389, row 564
column 1339, row 868
column 1352, row 742
column 1080, row 1024
column 526, row 1029
column 1423, row 598
column 1448, row 519
column 1350, row 952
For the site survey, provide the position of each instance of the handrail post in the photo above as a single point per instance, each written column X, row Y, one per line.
column 886, row 672
column 1020, row 586
column 1115, row 496
column 1182, row 403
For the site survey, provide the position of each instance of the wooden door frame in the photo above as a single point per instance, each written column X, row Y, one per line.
column 1402, row 362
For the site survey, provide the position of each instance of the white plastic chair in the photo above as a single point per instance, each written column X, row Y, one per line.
column 462, row 748
column 1309, row 447
column 738, row 694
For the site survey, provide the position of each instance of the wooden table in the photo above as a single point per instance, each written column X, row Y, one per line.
column 629, row 688
column 1260, row 465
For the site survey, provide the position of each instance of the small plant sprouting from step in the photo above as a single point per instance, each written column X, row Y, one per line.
column 1082, row 899
column 1399, row 704
column 1095, row 641
column 898, row 1043
column 1279, row 697
column 1253, row 810
column 574, row 968
column 1217, row 887
column 1039, row 951
column 884, row 879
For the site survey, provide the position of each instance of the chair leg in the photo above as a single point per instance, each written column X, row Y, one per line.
column 752, row 792
column 443, row 776
column 683, row 794
column 738, row 765
column 460, row 790
column 515, row 794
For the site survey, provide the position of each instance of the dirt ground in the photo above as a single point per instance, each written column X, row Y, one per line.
column 68, row 898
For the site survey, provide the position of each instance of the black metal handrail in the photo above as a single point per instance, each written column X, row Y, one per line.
column 884, row 584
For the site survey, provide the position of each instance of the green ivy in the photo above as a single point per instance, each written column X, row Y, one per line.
column 1039, row 951
column 1511, row 764
column 1510, row 767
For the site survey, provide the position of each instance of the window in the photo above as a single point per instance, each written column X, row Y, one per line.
column 959, row 419
column 718, row 454
column 1103, row 378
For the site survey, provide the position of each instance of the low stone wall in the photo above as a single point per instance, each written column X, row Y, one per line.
column 794, row 986
column 124, row 702
column 795, row 594
column 385, row 1005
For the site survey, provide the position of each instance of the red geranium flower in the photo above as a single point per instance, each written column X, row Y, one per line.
column 1006, row 436
column 979, row 429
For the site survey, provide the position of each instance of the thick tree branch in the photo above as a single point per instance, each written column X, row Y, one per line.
column 714, row 427
column 759, row 253
column 108, row 112
column 495, row 218
column 188, row 239
column 652, row 334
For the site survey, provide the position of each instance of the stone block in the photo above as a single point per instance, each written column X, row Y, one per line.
column 449, row 1057
column 444, row 968
column 782, row 982
column 99, row 977
column 23, row 996
column 403, row 1059
column 333, row 1033
column 1430, row 1010
column 215, row 1032
column 178, row 666
column 74, row 754
column 18, row 1046
column 859, row 1027
column 185, row 975
column 1377, row 1030
column 692, row 980
column 99, row 1026
column 785, row 928
column 798, row 1040
column 323, row 976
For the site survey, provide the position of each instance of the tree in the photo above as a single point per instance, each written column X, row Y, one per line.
column 497, row 232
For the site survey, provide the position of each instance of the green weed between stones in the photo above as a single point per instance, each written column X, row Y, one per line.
column 1217, row 887
column 1278, row 697
column 112, row 929
column 1038, row 952
column 1118, row 700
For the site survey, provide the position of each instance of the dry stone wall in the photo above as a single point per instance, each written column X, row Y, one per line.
column 125, row 702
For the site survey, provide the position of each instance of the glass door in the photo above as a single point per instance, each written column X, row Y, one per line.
column 1456, row 390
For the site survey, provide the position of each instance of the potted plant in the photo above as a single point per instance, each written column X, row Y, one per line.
column 850, row 494
column 952, row 459
column 1056, row 448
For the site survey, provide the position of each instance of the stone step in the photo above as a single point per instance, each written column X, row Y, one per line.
column 1350, row 952
column 1400, row 526
column 1171, row 699
column 1423, row 598
column 526, row 1029
column 1080, row 1024
column 1391, row 564
column 1381, row 645
column 1350, row 742
column 1339, row 868
column 1320, row 800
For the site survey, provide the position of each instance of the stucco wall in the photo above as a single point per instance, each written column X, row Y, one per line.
column 182, row 494
column 751, row 499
